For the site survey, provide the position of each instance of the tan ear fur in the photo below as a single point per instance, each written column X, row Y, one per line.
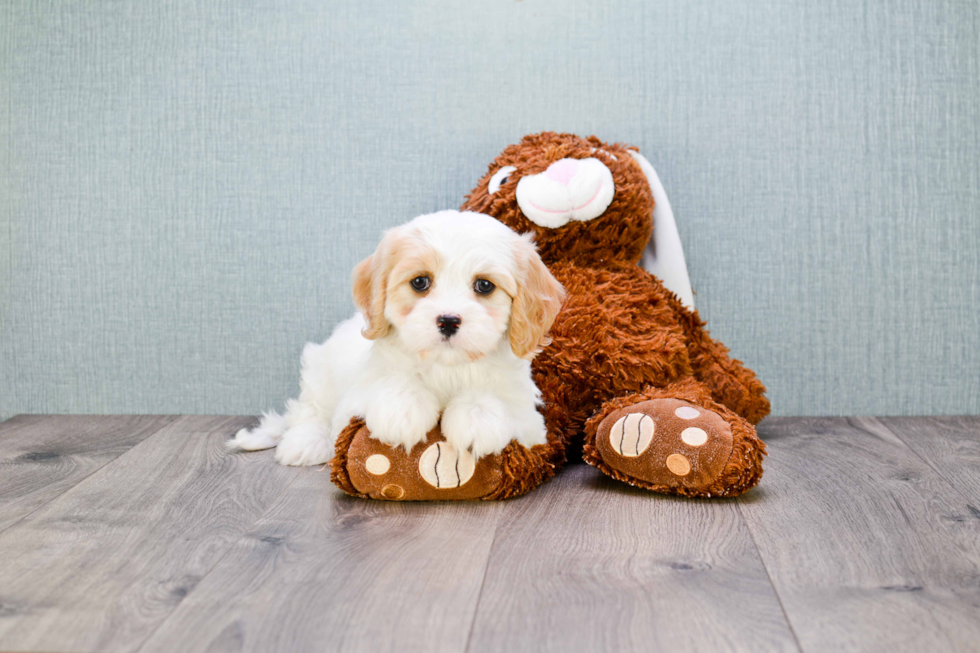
column 536, row 305
column 370, row 279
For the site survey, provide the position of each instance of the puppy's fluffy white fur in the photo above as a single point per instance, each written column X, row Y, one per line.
column 392, row 365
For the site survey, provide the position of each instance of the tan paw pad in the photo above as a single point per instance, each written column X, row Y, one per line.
column 694, row 436
column 678, row 464
column 687, row 412
column 393, row 492
column 377, row 464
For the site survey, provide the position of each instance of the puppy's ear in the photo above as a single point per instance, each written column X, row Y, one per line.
column 537, row 302
column 370, row 280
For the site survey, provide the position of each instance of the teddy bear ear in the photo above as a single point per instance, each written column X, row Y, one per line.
column 664, row 255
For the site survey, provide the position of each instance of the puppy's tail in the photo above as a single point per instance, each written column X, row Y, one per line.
column 264, row 436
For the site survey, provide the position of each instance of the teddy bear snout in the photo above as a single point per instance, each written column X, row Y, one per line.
column 562, row 171
column 569, row 189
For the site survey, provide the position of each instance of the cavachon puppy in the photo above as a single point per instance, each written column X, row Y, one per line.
column 631, row 380
column 629, row 377
column 452, row 308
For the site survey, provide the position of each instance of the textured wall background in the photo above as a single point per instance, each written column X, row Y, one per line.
column 185, row 186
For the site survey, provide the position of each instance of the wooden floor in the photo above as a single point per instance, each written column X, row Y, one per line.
column 142, row 534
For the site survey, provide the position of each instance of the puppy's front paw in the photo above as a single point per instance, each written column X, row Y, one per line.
column 402, row 423
column 306, row 444
column 478, row 424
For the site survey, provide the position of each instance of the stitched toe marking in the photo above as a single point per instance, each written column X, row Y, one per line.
column 631, row 434
column 441, row 466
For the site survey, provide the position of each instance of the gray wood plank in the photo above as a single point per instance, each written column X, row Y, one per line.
column 100, row 567
column 867, row 546
column 951, row 446
column 323, row 571
column 590, row 564
column 43, row 456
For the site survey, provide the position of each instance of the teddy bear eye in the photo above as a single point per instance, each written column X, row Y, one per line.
column 499, row 178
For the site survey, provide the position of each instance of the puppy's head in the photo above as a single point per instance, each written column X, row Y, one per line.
column 452, row 286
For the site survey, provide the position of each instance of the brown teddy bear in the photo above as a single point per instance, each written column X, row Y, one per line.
column 631, row 378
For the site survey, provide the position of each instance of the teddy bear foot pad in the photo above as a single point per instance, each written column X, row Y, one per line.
column 666, row 442
column 432, row 471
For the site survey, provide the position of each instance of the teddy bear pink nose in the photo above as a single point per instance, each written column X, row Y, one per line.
column 562, row 171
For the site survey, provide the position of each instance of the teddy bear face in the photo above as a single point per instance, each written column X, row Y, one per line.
column 585, row 201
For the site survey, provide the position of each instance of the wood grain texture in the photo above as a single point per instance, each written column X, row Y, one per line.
column 867, row 546
column 100, row 567
column 951, row 446
column 856, row 540
column 43, row 456
column 589, row 564
column 324, row 571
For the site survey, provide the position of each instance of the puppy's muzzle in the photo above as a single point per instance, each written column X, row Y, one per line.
column 448, row 325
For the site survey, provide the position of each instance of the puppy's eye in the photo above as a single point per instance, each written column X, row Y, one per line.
column 483, row 287
column 499, row 178
column 421, row 283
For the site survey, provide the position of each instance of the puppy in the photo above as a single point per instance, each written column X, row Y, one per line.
column 453, row 306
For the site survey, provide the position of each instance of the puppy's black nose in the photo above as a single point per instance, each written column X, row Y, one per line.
column 448, row 324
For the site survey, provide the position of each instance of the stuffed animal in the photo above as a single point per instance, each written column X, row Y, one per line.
column 631, row 380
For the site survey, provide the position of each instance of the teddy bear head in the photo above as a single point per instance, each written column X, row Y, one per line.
column 585, row 201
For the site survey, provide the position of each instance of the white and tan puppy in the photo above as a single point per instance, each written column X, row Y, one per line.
column 453, row 306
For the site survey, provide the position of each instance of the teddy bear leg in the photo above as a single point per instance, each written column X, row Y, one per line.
column 675, row 440
column 434, row 471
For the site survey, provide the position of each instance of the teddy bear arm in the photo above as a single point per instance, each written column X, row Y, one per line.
column 731, row 383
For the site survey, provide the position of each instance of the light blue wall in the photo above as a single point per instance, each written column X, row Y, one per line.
column 186, row 185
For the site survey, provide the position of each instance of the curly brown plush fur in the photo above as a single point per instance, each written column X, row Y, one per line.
column 621, row 344
column 338, row 464
column 621, row 336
